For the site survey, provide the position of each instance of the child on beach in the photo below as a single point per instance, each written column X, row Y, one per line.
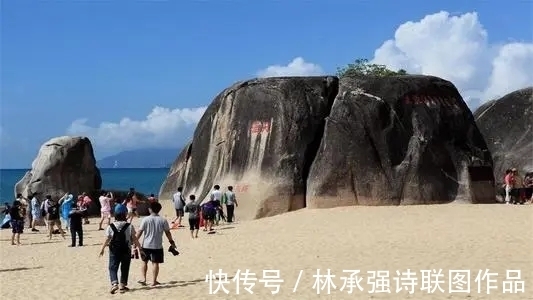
column 76, row 225
column 194, row 216
column 17, row 222
column 120, row 235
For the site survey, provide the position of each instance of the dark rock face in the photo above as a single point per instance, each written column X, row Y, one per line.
column 176, row 174
column 63, row 164
column 287, row 143
column 258, row 136
column 400, row 140
column 506, row 124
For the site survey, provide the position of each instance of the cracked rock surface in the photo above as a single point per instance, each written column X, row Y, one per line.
column 63, row 164
column 293, row 142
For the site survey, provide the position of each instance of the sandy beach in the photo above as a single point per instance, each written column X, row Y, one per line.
column 447, row 237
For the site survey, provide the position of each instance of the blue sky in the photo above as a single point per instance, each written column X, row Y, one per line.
column 103, row 61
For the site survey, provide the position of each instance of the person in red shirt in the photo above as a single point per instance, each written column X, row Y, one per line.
column 509, row 181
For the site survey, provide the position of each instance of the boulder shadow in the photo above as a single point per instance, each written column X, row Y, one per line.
column 20, row 269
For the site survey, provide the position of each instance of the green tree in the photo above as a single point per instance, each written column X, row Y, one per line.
column 362, row 67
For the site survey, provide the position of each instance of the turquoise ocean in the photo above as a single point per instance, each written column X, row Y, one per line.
column 146, row 181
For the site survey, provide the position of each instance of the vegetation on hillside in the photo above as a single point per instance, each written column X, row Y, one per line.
column 362, row 67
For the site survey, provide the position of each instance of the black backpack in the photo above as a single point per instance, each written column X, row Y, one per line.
column 119, row 243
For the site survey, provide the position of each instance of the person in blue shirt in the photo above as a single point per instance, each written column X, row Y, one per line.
column 66, row 203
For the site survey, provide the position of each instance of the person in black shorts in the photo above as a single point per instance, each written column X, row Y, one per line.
column 209, row 212
column 153, row 227
column 194, row 216
column 17, row 221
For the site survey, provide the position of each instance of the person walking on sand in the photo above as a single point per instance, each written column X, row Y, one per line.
column 509, row 184
column 105, row 208
column 216, row 197
column 84, row 201
column 17, row 222
column 120, row 236
column 209, row 211
column 131, row 204
column 35, row 212
column 76, row 226
column 24, row 203
column 52, row 215
column 179, row 205
column 153, row 227
column 231, row 202
column 194, row 215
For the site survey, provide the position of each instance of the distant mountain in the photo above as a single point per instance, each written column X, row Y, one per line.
column 141, row 158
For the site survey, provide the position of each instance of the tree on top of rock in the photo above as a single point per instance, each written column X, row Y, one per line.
column 362, row 67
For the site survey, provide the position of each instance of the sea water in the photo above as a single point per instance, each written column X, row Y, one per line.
column 146, row 181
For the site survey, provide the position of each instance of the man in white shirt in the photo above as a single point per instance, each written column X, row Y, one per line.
column 179, row 205
column 216, row 197
column 153, row 227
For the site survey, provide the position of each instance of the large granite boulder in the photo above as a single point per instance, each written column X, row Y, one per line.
column 259, row 136
column 400, row 140
column 506, row 124
column 291, row 142
column 176, row 174
column 63, row 164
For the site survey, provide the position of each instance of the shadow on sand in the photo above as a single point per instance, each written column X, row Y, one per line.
column 169, row 285
column 47, row 242
column 20, row 269
column 226, row 228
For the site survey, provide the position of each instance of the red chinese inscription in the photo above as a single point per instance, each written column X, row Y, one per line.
column 258, row 126
column 430, row 100
column 241, row 188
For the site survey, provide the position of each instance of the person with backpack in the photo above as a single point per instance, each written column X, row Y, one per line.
column 53, row 216
column 120, row 236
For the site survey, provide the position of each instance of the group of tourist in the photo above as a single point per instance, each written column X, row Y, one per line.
column 518, row 190
column 122, row 239
column 211, row 212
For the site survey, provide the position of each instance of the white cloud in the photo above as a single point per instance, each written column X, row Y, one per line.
column 456, row 48
column 297, row 67
column 163, row 128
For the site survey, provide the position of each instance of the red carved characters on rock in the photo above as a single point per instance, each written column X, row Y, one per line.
column 260, row 126
column 241, row 188
column 431, row 101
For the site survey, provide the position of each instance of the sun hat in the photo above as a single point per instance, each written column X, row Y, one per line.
column 120, row 209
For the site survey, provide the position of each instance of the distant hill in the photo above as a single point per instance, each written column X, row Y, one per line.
column 141, row 158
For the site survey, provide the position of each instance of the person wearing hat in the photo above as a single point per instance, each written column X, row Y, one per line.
column 120, row 236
